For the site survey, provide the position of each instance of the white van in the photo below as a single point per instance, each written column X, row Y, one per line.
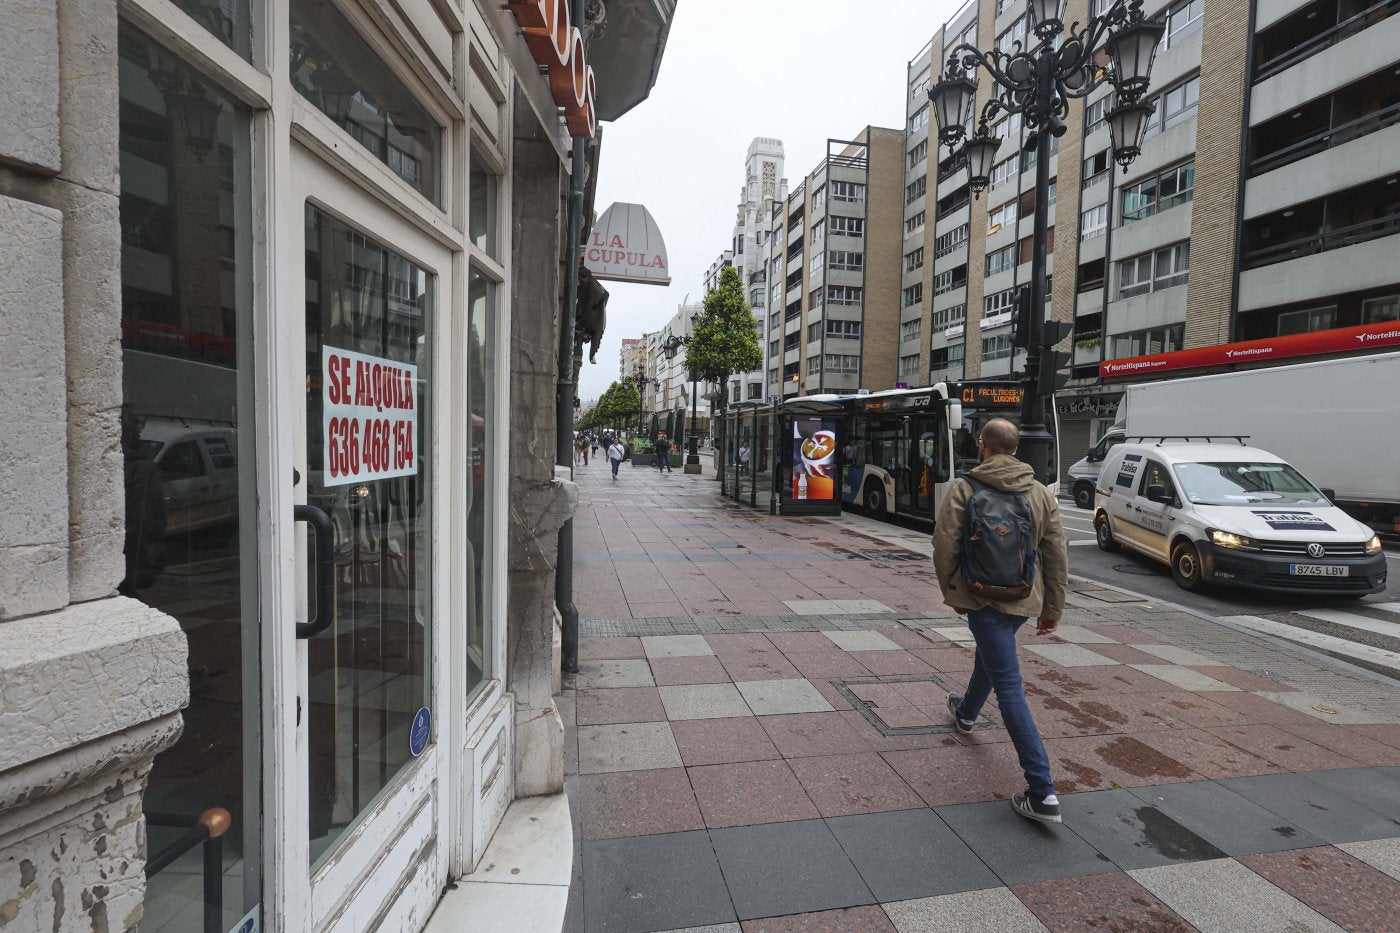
column 1225, row 513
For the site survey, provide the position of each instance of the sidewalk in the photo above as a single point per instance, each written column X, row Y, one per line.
column 757, row 740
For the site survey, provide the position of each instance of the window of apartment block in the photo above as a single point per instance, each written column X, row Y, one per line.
column 1003, row 216
column 1307, row 320
column 814, row 331
column 1026, row 248
column 844, row 294
column 1170, row 188
column 792, row 341
column 1009, row 128
column 844, row 260
column 997, row 302
column 914, row 259
column 913, row 295
column 772, row 377
column 774, row 320
column 950, row 355
column 908, row 367
column 920, row 119
column 1004, row 5
column 1005, row 171
column 1375, row 310
column 844, row 329
column 756, row 296
column 1099, row 7
column 950, row 279
column 1174, row 105
column 910, row 330
column 1183, row 19
column 1154, row 271
column 848, row 226
column 842, row 363
column 1031, row 156
column 915, row 189
column 1093, row 222
column 914, row 224
column 1016, row 33
column 969, row 36
column 814, row 364
column 949, row 316
column 755, row 392
column 1095, row 168
column 1145, row 342
column 847, row 191
column 814, row 303
column 814, row 264
column 997, row 348
column 1096, row 114
column 1091, row 275
column 1001, row 260
column 948, row 242
column 818, row 231
column 918, row 154
column 819, row 199
column 773, row 348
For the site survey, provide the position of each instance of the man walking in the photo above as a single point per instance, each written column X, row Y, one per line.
column 615, row 454
column 995, row 612
column 663, row 453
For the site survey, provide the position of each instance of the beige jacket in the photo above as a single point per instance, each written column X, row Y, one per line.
column 1000, row 471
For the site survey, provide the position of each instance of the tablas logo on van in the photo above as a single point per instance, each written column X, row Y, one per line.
column 1297, row 521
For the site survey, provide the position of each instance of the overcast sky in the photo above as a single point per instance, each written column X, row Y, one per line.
column 798, row 70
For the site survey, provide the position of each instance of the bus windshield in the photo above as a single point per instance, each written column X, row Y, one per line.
column 965, row 438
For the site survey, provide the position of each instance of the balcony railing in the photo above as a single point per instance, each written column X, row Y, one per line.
column 1319, row 142
column 1330, row 37
column 1324, row 241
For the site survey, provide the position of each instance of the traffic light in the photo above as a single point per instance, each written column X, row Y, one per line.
column 1021, row 332
column 1054, row 331
column 1052, row 379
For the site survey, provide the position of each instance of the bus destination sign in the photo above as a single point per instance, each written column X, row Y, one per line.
column 993, row 396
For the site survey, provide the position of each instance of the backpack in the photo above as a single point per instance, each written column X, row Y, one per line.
column 998, row 551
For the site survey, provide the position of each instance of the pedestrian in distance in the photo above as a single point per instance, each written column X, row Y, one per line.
column 616, row 453
column 743, row 458
column 663, row 453
column 1001, row 559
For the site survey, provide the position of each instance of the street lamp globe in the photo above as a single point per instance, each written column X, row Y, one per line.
column 952, row 100
column 981, row 153
column 1126, row 126
column 1047, row 17
column 1132, row 49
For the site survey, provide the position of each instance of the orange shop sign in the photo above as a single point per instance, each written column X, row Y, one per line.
column 557, row 44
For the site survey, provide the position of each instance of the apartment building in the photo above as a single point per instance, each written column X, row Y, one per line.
column 1280, row 113
column 832, row 275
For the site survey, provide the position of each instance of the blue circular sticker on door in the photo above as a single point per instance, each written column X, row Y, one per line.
column 420, row 732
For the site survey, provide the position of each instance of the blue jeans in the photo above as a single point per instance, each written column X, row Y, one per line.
column 663, row 461
column 997, row 668
column 615, row 465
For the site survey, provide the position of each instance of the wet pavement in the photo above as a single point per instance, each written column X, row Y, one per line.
column 757, row 740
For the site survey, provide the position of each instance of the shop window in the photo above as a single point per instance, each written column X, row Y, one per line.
column 1307, row 320
column 1375, row 310
column 483, row 205
column 342, row 75
column 228, row 20
column 482, row 370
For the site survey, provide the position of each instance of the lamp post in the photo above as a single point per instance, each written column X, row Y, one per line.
column 1038, row 84
column 639, row 376
column 692, row 455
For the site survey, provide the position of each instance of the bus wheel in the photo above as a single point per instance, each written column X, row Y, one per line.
column 875, row 498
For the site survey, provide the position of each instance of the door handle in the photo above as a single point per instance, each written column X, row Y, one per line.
column 320, row 523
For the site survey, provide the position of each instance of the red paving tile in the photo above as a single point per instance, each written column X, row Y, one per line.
column 911, row 717
column 831, row 694
column 880, row 742
column 674, row 672
column 637, row 803
column 619, row 705
column 1242, row 679
column 1101, row 762
column 950, row 660
column 1125, row 634
column 750, row 792
column 888, row 663
column 1193, row 709
column 1345, row 741
column 1125, row 654
column 827, row 664
column 801, row 735
column 1206, row 754
column 723, row 741
column 1108, row 902
column 1284, row 748
column 868, row 919
column 1388, row 733
column 766, row 666
column 909, row 639
column 1256, row 709
column 610, row 649
column 802, row 642
column 841, row 785
column 739, row 645
column 1343, row 889
column 960, row 774
column 880, row 694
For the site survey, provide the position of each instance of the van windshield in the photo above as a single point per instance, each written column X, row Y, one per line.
column 1237, row 483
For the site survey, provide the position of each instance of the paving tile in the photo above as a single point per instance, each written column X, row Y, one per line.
column 1186, row 678
column 1386, row 733
column 1125, row 634
column 868, row 919
column 1099, row 902
column 1258, row 710
column 841, row 785
column 744, row 643
column 861, row 641
column 801, row 642
column 911, row 717
column 959, row 634
column 746, row 793
column 995, row 910
column 1310, row 806
column 1206, row 754
column 948, row 660
column 646, row 883
column 1134, row 833
column 1079, row 635
column 1224, row 819
column 802, row 735
column 778, row 697
column 723, row 741
column 672, row 672
column 910, row 854
column 833, row 696
column 1182, row 706
column 1173, row 654
column 1242, row 679
column 1119, row 678
column 1283, row 748
column 879, row 742
column 906, row 638
column 1225, row 895
column 1343, row 889
column 772, row 666
column 713, row 928
column 880, row 694
column 1312, row 706
column 786, row 868
column 604, row 649
column 888, row 663
column 960, row 774
column 1124, row 654
column 630, row 747
column 827, row 664
column 1100, row 762
column 593, row 675
column 676, row 646
column 1020, row 851
column 818, row 607
column 703, row 701
column 1377, row 789
column 619, row 704
column 637, row 803
column 1381, row 854
column 1070, row 655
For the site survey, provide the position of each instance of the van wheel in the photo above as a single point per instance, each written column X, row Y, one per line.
column 1186, row 567
column 875, row 498
column 1084, row 495
column 1103, row 533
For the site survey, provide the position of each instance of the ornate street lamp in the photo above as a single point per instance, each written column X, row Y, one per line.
column 639, row 376
column 1038, row 84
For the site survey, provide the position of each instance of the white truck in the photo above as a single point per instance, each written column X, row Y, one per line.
column 1337, row 421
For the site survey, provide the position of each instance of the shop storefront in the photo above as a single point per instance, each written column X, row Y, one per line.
column 1082, row 416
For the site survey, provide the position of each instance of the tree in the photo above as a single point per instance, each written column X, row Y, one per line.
column 725, row 339
column 620, row 405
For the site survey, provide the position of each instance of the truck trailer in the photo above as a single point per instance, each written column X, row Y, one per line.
column 1337, row 421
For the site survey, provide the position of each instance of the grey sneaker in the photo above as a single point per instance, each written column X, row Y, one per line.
column 962, row 725
column 1045, row 810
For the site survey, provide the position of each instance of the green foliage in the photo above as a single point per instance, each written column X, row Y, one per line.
column 640, row 445
column 725, row 339
column 618, row 407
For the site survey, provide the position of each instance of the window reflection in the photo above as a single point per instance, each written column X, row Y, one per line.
column 338, row 71
column 228, row 20
column 482, row 198
column 481, row 377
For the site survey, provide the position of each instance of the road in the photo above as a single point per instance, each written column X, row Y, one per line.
column 1361, row 631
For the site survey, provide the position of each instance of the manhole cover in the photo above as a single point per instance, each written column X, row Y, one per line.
column 910, row 720
column 1110, row 596
column 1135, row 570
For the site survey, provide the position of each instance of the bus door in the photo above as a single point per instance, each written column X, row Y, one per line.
column 930, row 462
column 905, row 469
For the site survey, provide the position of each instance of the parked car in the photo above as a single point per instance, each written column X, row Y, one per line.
column 1230, row 514
column 198, row 469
